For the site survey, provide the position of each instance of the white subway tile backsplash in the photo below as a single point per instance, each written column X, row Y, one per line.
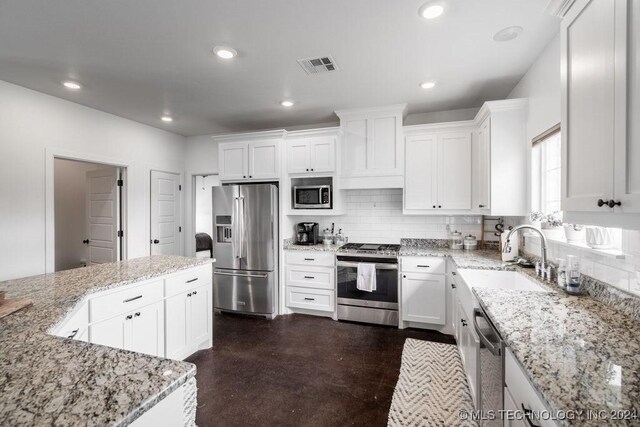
column 376, row 216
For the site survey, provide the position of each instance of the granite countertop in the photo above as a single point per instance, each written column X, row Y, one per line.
column 45, row 379
column 579, row 353
column 288, row 246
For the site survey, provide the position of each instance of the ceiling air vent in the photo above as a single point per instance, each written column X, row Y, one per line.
column 318, row 65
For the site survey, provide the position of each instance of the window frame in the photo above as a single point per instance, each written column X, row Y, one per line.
column 538, row 166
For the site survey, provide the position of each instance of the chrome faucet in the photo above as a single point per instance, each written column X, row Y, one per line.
column 542, row 268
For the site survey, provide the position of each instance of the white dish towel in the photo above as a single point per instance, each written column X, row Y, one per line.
column 366, row 277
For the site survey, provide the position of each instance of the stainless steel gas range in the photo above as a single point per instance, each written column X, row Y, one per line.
column 379, row 306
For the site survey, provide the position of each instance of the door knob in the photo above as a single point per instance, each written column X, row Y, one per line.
column 612, row 203
column 156, row 241
column 602, row 203
column 85, row 241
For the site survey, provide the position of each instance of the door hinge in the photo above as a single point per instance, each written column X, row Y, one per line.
column 179, row 187
column 120, row 233
column 120, row 183
column 179, row 229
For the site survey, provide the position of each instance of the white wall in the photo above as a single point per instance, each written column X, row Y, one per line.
column 70, row 212
column 34, row 125
column 541, row 86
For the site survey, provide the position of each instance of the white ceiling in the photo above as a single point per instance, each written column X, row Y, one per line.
column 138, row 59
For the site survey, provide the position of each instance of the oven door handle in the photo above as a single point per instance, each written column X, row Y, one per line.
column 378, row 266
column 492, row 347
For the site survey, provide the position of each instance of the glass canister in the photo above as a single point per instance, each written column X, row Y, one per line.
column 470, row 242
column 327, row 238
column 455, row 240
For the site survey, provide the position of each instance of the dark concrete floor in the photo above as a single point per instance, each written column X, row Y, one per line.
column 299, row 370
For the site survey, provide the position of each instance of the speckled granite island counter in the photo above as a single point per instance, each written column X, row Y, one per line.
column 45, row 379
column 580, row 354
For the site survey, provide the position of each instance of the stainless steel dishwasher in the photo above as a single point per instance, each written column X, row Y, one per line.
column 491, row 369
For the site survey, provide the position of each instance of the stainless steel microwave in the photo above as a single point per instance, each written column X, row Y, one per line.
column 312, row 197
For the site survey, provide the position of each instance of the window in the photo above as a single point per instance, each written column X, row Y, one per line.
column 546, row 172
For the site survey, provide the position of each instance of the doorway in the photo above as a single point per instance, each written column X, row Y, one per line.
column 88, row 212
column 203, row 214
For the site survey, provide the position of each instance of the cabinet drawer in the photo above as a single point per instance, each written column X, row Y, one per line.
column 424, row 265
column 310, row 277
column 312, row 299
column 521, row 389
column 188, row 279
column 121, row 301
column 326, row 259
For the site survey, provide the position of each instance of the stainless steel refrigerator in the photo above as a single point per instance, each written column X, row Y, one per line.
column 245, row 222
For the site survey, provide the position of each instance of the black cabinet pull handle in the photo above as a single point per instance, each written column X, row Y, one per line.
column 527, row 415
column 601, row 203
column 434, row 206
column 613, row 203
column 132, row 299
column 192, row 280
column 481, row 206
column 310, row 299
column 137, row 314
column 453, row 273
column 189, row 294
column 309, row 259
column 85, row 241
column 194, row 292
column 73, row 333
column 129, row 317
column 422, row 266
column 309, row 277
column 453, row 286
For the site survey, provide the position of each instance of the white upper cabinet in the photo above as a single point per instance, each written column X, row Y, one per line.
column 438, row 169
column 250, row 156
column 312, row 152
column 500, row 159
column 600, row 110
column 372, row 147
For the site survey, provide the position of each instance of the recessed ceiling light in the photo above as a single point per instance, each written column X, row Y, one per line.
column 427, row 85
column 431, row 10
column 70, row 84
column 287, row 103
column 507, row 34
column 166, row 118
column 225, row 52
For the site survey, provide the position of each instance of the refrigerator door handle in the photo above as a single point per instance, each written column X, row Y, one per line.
column 243, row 238
column 236, row 229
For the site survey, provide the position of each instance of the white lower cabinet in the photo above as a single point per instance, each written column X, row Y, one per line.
column 523, row 395
column 424, row 298
column 469, row 347
column 141, row 330
column 511, row 418
column 188, row 322
column 423, row 293
column 167, row 316
column 310, row 279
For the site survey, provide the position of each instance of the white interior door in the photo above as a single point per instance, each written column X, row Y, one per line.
column 102, row 216
column 165, row 213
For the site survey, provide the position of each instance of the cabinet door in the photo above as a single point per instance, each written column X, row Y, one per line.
column 482, row 175
column 200, row 316
column 627, row 139
column 424, row 298
column 147, row 330
column 452, row 306
column 114, row 332
column 298, row 156
column 354, row 158
column 512, row 408
column 454, row 171
column 588, row 82
column 420, row 180
column 323, row 154
column 264, row 160
column 383, row 143
column 232, row 159
column 177, row 343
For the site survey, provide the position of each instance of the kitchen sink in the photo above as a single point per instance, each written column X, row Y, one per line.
column 498, row 279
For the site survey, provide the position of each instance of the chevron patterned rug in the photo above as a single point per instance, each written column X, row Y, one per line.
column 432, row 388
